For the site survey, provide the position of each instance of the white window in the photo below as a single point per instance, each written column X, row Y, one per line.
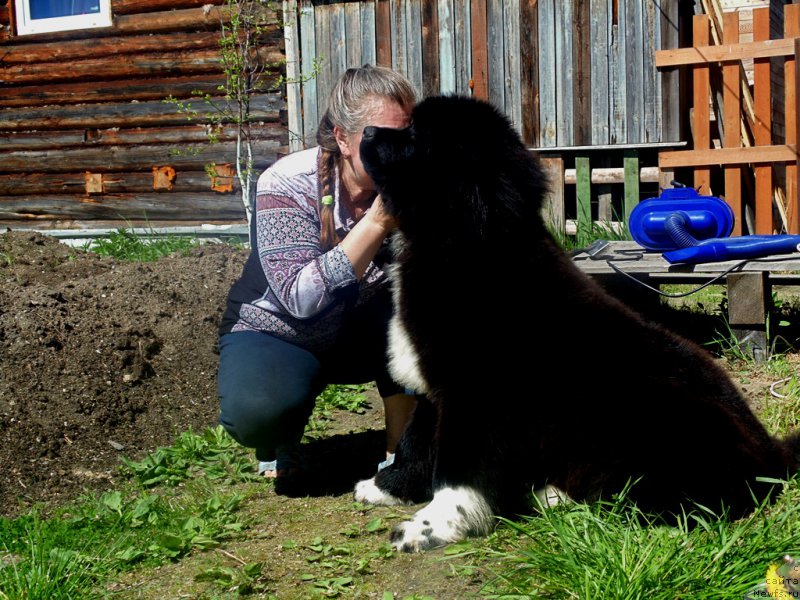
column 42, row 16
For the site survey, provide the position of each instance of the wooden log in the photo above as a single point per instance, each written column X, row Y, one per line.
column 150, row 64
column 116, row 46
column 126, row 90
column 83, row 227
column 49, row 184
column 553, row 209
column 168, row 206
column 190, row 19
column 128, row 7
column 186, row 134
column 605, row 175
column 263, row 107
column 126, row 158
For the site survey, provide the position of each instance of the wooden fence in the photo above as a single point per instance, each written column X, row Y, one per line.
column 567, row 72
column 745, row 136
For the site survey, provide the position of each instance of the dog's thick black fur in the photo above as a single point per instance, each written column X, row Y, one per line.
column 530, row 373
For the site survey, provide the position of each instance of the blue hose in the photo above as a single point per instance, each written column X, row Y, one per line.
column 677, row 226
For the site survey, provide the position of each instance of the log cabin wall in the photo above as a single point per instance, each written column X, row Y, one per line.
column 87, row 139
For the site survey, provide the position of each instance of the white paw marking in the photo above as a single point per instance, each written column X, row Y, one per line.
column 367, row 492
column 452, row 515
column 550, row 496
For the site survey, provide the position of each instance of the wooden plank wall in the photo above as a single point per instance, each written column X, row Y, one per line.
column 87, row 139
column 566, row 72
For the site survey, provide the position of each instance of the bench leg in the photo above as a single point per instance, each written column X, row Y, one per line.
column 749, row 301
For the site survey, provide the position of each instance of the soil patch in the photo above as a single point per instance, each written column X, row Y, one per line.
column 101, row 358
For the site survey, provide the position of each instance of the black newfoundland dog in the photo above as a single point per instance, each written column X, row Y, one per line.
column 530, row 375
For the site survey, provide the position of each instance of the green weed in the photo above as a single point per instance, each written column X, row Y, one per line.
column 124, row 244
column 213, row 455
column 346, row 397
column 71, row 553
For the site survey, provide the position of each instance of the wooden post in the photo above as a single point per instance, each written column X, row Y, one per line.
column 631, row 159
column 701, row 36
column 748, row 304
column 762, row 133
column 553, row 209
column 583, row 194
column 732, row 109
column 791, row 67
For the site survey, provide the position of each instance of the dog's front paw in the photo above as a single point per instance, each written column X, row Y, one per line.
column 452, row 515
column 367, row 492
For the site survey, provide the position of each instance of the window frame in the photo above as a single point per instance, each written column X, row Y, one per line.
column 25, row 25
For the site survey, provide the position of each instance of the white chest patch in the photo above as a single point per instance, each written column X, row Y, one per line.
column 403, row 357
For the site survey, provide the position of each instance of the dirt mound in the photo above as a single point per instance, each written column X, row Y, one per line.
column 101, row 358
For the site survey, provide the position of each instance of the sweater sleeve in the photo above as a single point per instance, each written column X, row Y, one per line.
column 301, row 277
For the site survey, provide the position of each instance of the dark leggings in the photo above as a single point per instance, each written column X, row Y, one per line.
column 267, row 386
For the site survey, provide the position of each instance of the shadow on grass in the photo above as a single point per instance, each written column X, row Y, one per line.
column 336, row 464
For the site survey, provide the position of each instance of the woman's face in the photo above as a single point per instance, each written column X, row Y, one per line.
column 385, row 113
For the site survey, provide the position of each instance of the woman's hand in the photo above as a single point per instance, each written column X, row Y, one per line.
column 378, row 215
column 365, row 239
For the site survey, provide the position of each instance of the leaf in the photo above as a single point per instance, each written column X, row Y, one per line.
column 112, row 501
column 375, row 524
column 289, row 545
column 170, row 541
column 253, row 569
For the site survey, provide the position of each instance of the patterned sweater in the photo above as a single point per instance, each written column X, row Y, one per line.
column 289, row 287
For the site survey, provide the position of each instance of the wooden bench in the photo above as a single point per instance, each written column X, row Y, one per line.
column 749, row 283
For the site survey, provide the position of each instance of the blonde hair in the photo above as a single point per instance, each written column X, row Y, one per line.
column 350, row 103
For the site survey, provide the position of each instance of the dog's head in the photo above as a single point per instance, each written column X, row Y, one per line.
column 460, row 165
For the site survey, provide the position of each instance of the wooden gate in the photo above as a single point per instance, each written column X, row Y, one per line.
column 747, row 147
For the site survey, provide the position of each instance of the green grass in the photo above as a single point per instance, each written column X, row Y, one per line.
column 347, row 397
column 605, row 551
column 71, row 552
column 124, row 244
column 180, row 499
column 584, row 236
